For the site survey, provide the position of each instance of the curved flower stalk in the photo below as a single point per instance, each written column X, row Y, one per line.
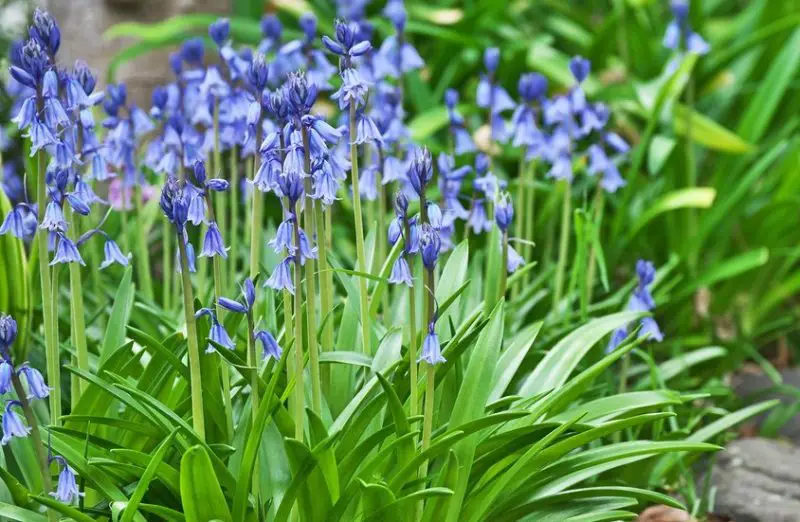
column 430, row 248
column 269, row 346
column 175, row 200
column 352, row 96
column 11, row 380
column 641, row 300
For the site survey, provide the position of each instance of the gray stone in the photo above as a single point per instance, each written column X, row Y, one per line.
column 758, row 480
column 83, row 23
column 750, row 385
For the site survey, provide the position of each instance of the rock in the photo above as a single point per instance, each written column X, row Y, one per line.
column 758, row 480
column 83, row 23
column 747, row 384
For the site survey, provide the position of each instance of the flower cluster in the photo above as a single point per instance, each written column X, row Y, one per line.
column 680, row 34
column 640, row 301
column 11, row 380
column 269, row 346
column 57, row 117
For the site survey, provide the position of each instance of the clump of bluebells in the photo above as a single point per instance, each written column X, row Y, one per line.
column 23, row 378
column 641, row 300
column 262, row 106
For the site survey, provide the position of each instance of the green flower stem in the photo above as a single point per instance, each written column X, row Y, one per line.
column 311, row 290
column 412, row 346
column 252, row 362
column 504, row 266
column 142, row 255
column 234, row 232
column 222, row 202
column 196, row 383
column 427, row 423
column 36, row 440
column 288, row 323
column 599, row 203
column 256, row 218
column 166, row 264
column 123, row 212
column 563, row 244
column 366, row 331
column 381, row 237
column 223, row 368
column 529, row 206
column 78, row 329
column 522, row 198
column 50, row 340
column 326, row 287
column 299, row 385
column 430, row 384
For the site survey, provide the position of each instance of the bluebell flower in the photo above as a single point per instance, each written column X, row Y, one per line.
column 420, row 172
column 617, row 337
column 219, row 31
column 6, row 371
column 113, row 254
column 66, row 251
column 284, row 237
column 281, row 278
column 646, row 274
column 269, row 346
column 680, row 32
column 192, row 51
column 431, row 349
column 396, row 56
column 305, row 249
column 67, row 488
column 347, row 44
column 478, row 219
column 430, row 245
column 401, row 273
column 353, row 90
column 14, row 222
column 248, row 299
column 271, row 29
column 217, row 332
column 12, row 423
column 504, row 212
column 641, row 301
column 258, row 73
column 213, row 244
column 514, row 260
column 462, row 141
column 8, row 331
column 37, row 389
column 45, row 30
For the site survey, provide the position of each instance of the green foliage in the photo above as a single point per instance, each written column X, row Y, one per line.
column 533, row 420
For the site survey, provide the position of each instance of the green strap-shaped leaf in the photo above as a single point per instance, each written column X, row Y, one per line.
column 147, row 476
column 201, row 494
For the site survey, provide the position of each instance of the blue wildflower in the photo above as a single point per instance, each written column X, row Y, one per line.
column 269, row 346
column 217, row 332
column 431, row 349
column 67, row 488
column 213, row 244
column 112, row 254
column 12, row 423
column 281, row 278
column 37, row 389
column 66, row 251
column 6, row 372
